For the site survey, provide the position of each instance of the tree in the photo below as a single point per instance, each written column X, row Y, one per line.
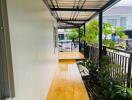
column 119, row 31
column 91, row 32
column 107, row 29
column 72, row 34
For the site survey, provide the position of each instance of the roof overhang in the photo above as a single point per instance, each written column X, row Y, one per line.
column 75, row 13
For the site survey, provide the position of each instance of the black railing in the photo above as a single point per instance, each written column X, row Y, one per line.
column 81, row 47
column 92, row 52
column 120, row 59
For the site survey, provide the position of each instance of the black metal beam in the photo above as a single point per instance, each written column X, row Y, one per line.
column 105, row 7
column 79, row 3
column 84, row 41
column 100, row 34
column 54, row 7
column 67, row 27
column 71, row 9
column 72, row 20
column 70, row 23
column 79, row 37
column 109, row 4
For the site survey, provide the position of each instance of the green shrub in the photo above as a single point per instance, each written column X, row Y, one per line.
column 100, row 79
column 121, row 93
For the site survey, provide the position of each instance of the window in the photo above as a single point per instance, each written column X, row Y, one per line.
column 61, row 36
column 123, row 22
column 112, row 21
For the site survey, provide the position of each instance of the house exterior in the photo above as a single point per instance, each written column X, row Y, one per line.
column 61, row 34
column 119, row 16
column 34, row 55
column 28, row 36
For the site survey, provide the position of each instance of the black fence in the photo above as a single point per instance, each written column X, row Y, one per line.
column 120, row 58
column 92, row 52
column 81, row 48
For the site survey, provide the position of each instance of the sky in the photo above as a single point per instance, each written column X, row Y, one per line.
column 125, row 2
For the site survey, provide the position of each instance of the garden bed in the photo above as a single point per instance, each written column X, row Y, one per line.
column 99, row 83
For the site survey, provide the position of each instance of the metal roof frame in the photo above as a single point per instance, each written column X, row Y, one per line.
column 77, row 12
column 70, row 9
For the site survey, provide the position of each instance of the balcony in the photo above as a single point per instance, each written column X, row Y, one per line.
column 84, row 71
column 99, row 60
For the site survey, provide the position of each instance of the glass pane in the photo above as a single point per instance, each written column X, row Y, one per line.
column 112, row 22
column 123, row 22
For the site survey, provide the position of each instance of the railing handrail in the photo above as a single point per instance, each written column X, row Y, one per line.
column 124, row 72
column 119, row 50
column 93, row 46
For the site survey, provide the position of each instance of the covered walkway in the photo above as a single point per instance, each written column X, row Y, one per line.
column 29, row 52
column 76, row 13
column 67, row 83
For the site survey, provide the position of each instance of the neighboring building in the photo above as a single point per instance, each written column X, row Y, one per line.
column 61, row 34
column 119, row 16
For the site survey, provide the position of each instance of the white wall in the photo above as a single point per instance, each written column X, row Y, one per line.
column 129, row 22
column 117, row 17
column 34, row 60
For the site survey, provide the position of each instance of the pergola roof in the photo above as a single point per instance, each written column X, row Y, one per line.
column 74, row 13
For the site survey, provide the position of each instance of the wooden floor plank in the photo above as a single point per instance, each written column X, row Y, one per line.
column 71, row 55
column 67, row 83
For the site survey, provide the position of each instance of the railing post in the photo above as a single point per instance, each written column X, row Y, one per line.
column 61, row 46
column 87, row 51
column 104, row 50
column 79, row 39
column 71, row 46
column 129, row 71
column 100, row 34
column 84, row 41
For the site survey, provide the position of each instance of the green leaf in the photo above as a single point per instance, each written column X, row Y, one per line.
column 129, row 93
column 107, row 29
column 72, row 34
column 118, row 91
column 119, row 31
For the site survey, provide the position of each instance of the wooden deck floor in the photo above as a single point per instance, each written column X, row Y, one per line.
column 70, row 55
column 67, row 83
